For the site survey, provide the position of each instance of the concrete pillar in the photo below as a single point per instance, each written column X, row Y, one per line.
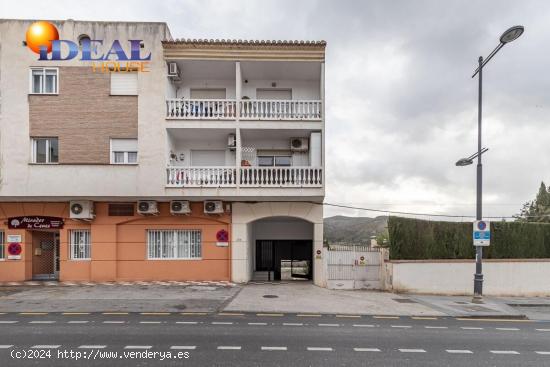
column 319, row 271
column 239, row 253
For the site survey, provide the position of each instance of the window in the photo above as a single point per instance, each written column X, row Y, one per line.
column 2, row 249
column 121, row 210
column 124, row 151
column 80, row 245
column 124, row 83
column 44, row 81
column 45, row 150
column 279, row 161
column 174, row 244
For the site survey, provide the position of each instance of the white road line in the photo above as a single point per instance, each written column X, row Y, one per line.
column 150, row 322
column 412, row 350
column 45, row 346
column 41, row 322
column 9, row 346
column 459, row 351
column 542, row 329
column 273, row 348
column 363, row 325
column 507, row 328
column 185, row 347
column 138, row 347
column 401, row 326
column 504, row 352
column 221, row 323
column 328, row 325
column 471, row 328
column 229, row 347
column 8, row 322
column 436, row 327
column 187, row 322
column 292, row 324
column 114, row 322
column 78, row 322
column 319, row 349
column 366, row 349
column 543, row 353
column 258, row 323
column 92, row 346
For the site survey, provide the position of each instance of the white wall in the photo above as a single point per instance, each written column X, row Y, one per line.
column 501, row 277
column 301, row 89
column 184, row 91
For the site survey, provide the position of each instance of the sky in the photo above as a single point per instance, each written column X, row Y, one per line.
column 401, row 104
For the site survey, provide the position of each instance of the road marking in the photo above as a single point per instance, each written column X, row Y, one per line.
column 221, row 323
column 401, row 326
column 273, row 348
column 229, row 347
column 542, row 329
column 9, row 346
column 292, row 324
column 386, row 317
column 507, row 328
column 185, row 347
column 257, row 323
column 436, row 327
column 493, row 320
column 8, row 322
column 332, row 325
column 115, row 313
column 349, row 316
column 366, row 349
column 45, row 346
column 412, row 350
column 504, row 352
column 138, row 347
column 319, row 349
column 423, row 318
column 77, row 322
column 270, row 314
column 74, row 313
column 459, row 351
column 230, row 314
column 155, row 313
column 308, row 315
column 363, row 325
column 543, row 353
column 471, row 328
column 41, row 322
column 114, row 322
column 193, row 313
column 33, row 313
column 187, row 322
column 92, row 346
column 150, row 322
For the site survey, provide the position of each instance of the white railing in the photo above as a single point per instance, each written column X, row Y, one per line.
column 281, row 177
column 265, row 109
column 202, row 109
column 201, row 176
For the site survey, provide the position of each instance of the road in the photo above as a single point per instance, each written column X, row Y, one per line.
column 234, row 339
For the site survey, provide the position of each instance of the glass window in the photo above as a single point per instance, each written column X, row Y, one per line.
column 53, row 149
column 40, row 151
column 45, row 150
column 284, row 161
column 118, row 157
column 132, row 157
column 44, row 81
column 80, row 245
column 174, row 244
column 265, row 161
column 51, row 81
column 37, row 81
column 124, row 151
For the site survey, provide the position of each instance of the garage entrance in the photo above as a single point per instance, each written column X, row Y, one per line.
column 285, row 259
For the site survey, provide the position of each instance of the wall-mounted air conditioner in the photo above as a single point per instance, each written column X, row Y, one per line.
column 299, row 144
column 82, row 209
column 179, row 207
column 173, row 71
column 213, row 207
column 147, row 207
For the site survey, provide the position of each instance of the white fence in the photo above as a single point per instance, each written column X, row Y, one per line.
column 262, row 109
column 200, row 176
column 209, row 109
column 282, row 176
column 354, row 267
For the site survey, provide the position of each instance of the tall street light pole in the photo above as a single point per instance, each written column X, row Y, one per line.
column 508, row 36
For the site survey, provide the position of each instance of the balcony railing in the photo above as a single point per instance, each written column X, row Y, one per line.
column 264, row 109
column 249, row 177
column 281, row 176
column 250, row 109
column 207, row 109
column 201, row 176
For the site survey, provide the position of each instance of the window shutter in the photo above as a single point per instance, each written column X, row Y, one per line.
column 124, row 84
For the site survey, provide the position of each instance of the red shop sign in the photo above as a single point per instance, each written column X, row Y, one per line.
column 35, row 222
column 14, row 248
column 222, row 236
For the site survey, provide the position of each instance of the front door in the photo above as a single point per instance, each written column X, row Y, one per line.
column 285, row 259
column 45, row 255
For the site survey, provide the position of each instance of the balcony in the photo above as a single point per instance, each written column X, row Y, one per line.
column 252, row 109
column 201, row 176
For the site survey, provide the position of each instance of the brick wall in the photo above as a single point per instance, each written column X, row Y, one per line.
column 83, row 116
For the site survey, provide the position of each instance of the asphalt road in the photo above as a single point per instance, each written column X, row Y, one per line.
column 126, row 339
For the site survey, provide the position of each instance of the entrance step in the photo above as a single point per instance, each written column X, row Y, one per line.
column 262, row 276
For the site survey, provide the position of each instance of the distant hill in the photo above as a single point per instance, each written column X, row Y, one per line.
column 353, row 229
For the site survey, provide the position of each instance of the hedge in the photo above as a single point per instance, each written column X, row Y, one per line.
column 414, row 239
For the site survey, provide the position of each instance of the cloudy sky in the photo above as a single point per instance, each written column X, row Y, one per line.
column 401, row 106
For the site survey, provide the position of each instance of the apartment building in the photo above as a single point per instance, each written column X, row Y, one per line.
column 203, row 160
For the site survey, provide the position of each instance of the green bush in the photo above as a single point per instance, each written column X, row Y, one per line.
column 414, row 239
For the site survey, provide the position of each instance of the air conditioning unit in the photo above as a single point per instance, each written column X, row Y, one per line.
column 173, row 71
column 147, row 207
column 299, row 144
column 213, row 207
column 82, row 209
column 178, row 207
column 231, row 141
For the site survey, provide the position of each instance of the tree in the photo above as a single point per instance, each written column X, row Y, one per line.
column 537, row 210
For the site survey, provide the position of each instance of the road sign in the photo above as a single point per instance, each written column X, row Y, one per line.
column 482, row 233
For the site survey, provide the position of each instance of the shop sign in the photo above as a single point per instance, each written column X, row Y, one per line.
column 35, row 222
column 14, row 238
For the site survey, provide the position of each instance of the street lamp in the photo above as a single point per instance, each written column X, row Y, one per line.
column 508, row 36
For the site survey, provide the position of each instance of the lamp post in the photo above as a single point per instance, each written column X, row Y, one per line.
column 508, row 36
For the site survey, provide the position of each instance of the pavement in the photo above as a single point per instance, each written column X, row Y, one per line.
column 267, row 339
